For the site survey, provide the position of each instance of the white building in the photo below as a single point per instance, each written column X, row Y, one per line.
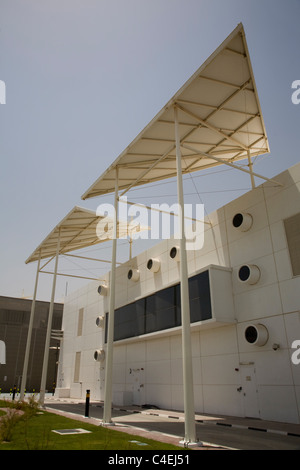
column 245, row 313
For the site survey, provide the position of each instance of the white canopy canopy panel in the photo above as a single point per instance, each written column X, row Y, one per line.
column 81, row 228
column 220, row 120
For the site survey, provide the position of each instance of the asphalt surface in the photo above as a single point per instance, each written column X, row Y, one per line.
column 214, row 432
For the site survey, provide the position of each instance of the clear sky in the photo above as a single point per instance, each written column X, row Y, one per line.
column 84, row 77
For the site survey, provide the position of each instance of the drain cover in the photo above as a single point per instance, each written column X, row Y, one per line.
column 70, row 431
column 139, row 443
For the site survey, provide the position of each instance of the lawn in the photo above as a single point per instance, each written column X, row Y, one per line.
column 33, row 430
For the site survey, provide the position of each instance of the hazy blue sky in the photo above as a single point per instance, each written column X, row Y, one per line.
column 83, row 78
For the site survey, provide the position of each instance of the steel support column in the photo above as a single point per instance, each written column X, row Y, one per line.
column 188, row 385
column 250, row 165
column 48, row 334
column 111, row 315
column 30, row 327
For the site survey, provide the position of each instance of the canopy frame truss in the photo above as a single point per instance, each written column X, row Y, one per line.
column 218, row 112
column 77, row 230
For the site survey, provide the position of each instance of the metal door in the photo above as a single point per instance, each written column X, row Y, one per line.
column 249, row 391
column 138, row 386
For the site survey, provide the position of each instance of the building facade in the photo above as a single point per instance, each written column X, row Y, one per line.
column 14, row 321
column 244, row 286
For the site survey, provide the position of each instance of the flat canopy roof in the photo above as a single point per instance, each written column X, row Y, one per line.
column 80, row 229
column 219, row 116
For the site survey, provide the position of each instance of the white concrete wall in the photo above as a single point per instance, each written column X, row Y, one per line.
column 92, row 338
column 151, row 367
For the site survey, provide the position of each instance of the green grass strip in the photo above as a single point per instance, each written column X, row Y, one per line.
column 33, row 430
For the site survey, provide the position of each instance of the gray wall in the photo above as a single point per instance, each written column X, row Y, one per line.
column 14, row 320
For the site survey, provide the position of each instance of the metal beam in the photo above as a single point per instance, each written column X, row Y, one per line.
column 210, row 106
column 225, row 162
column 147, row 170
column 221, row 82
column 172, row 147
column 72, row 275
column 211, row 127
column 91, row 259
column 162, row 211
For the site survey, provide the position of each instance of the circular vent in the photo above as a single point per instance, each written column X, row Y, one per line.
column 133, row 274
column 102, row 290
column 100, row 322
column 249, row 274
column 256, row 335
column 242, row 221
column 99, row 355
column 153, row 265
column 174, row 253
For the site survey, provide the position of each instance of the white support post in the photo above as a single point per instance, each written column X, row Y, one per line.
column 250, row 165
column 111, row 317
column 188, row 386
column 48, row 334
column 30, row 327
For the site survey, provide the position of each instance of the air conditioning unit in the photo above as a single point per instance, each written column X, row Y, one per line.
column 175, row 253
column 103, row 289
column 99, row 355
column 257, row 335
column 242, row 221
column 153, row 265
column 133, row 274
column 100, row 322
column 249, row 274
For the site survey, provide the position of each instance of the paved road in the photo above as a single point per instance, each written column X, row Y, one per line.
column 229, row 437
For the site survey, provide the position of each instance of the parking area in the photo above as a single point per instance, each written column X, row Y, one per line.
column 213, row 432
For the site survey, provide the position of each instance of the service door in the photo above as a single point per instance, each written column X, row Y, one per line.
column 138, row 386
column 249, row 391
